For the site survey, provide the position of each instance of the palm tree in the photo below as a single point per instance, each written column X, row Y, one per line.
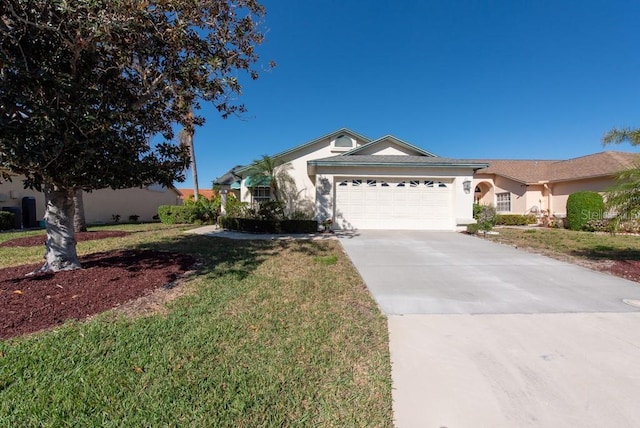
column 623, row 199
column 272, row 171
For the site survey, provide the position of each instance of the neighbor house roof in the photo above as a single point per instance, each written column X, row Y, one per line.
column 188, row 193
column 536, row 171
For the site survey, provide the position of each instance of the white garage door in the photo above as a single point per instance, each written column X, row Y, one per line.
column 376, row 203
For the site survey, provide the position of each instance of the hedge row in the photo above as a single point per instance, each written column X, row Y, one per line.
column 268, row 226
column 177, row 214
column 6, row 220
column 516, row 219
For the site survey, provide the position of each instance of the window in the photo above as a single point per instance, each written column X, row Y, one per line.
column 503, row 202
column 428, row 183
column 401, row 184
column 261, row 194
column 343, row 183
column 371, row 183
column 356, row 183
column 414, row 183
column 343, row 141
column 384, row 184
column 441, row 184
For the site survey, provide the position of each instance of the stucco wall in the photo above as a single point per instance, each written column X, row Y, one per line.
column 561, row 191
column 99, row 205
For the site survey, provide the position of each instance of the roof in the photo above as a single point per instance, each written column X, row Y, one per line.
column 396, row 160
column 534, row 171
column 188, row 193
column 387, row 138
column 229, row 177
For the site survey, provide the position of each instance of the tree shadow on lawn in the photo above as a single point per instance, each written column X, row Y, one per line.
column 607, row 252
column 241, row 257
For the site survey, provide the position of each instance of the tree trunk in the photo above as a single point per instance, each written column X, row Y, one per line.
column 79, row 221
column 61, row 243
column 194, row 169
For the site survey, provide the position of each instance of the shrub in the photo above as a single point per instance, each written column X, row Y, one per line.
column 583, row 207
column 486, row 218
column 205, row 210
column 6, row 220
column 473, row 228
column 477, row 209
column 516, row 219
column 177, row 214
column 253, row 225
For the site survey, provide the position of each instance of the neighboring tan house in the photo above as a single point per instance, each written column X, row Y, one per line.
column 100, row 206
column 536, row 186
column 384, row 183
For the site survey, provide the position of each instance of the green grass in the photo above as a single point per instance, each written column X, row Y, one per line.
column 268, row 335
column 586, row 245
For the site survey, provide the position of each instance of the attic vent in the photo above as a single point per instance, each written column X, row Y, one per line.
column 343, row 141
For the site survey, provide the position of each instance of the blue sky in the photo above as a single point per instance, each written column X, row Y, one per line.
column 514, row 79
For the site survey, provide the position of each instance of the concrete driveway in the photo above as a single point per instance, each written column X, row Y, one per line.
column 485, row 335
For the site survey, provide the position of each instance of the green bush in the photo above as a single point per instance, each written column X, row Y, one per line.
column 205, row 210
column 6, row 220
column 477, row 209
column 252, row 225
column 486, row 217
column 516, row 219
column 473, row 228
column 177, row 214
column 583, row 207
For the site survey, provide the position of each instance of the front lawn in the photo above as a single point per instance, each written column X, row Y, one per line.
column 267, row 333
column 582, row 245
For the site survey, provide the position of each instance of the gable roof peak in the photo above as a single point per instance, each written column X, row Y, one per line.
column 395, row 140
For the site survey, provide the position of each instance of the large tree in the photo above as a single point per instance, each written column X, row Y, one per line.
column 91, row 90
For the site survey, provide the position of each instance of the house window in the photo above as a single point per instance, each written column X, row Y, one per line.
column 371, row 183
column 503, row 202
column 428, row 183
column 343, row 141
column 343, row 183
column 384, row 184
column 261, row 194
column 414, row 183
column 356, row 183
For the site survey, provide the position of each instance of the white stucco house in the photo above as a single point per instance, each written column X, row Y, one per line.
column 385, row 183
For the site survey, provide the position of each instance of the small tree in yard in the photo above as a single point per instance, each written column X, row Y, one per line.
column 486, row 217
column 87, row 85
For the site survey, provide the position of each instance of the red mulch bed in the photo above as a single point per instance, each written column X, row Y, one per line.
column 629, row 269
column 32, row 241
column 107, row 280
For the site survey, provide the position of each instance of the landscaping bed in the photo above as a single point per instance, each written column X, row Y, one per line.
column 107, row 280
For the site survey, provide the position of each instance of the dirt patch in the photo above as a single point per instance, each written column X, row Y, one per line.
column 32, row 241
column 107, row 280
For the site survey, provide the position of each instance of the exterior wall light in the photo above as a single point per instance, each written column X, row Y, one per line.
column 466, row 186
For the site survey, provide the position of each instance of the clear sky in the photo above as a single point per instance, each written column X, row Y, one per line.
column 514, row 79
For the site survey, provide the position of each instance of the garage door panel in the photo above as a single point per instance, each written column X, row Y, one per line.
column 402, row 204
